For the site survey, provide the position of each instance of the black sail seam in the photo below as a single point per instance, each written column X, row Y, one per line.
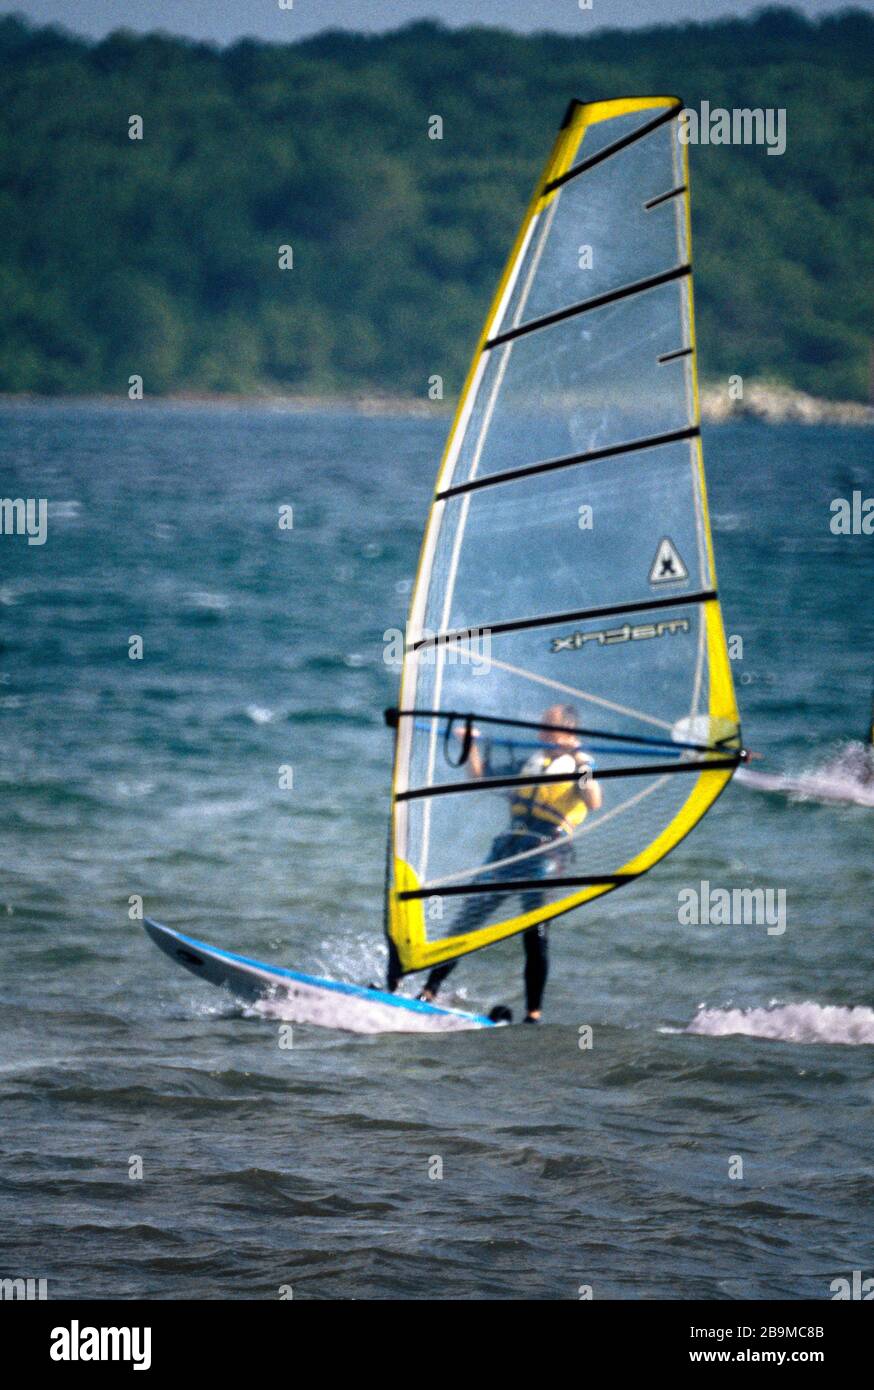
column 568, row 460
column 672, row 356
column 598, row 301
column 609, row 150
column 486, row 784
column 612, row 610
column 515, row 885
column 663, row 197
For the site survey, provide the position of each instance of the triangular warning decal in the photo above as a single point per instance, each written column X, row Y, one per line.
column 667, row 567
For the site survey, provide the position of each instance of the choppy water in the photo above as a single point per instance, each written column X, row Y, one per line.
column 312, row 1166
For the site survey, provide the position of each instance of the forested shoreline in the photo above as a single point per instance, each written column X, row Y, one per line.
column 160, row 256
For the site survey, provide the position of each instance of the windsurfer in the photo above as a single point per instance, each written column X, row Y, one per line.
column 543, row 817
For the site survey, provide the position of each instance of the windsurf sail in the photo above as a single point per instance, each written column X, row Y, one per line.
column 567, row 559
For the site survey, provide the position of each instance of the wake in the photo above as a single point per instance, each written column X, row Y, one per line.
column 847, row 777
column 800, row 1023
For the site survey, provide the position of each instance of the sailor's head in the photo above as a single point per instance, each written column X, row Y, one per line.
column 558, row 719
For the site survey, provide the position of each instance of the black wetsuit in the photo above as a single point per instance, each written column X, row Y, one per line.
column 536, row 943
column 522, row 838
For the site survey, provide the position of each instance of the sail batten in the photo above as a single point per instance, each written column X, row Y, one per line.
column 663, row 197
column 597, row 301
column 393, row 715
column 546, row 779
column 570, row 507
column 591, row 456
column 551, row 619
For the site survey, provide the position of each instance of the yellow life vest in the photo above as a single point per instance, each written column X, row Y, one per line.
column 552, row 806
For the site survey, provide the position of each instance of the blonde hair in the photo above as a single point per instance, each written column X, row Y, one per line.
column 564, row 716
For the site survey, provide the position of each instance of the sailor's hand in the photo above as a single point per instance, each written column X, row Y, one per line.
column 462, row 732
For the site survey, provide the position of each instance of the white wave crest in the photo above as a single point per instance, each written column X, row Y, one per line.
column 801, row 1023
column 209, row 602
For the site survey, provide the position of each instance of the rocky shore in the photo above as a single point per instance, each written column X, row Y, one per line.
column 775, row 405
column 780, row 405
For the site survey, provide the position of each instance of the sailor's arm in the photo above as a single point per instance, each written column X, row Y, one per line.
column 592, row 795
column 475, row 761
column 590, row 790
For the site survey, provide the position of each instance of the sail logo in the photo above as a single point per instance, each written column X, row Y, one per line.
column 24, row 517
column 75, row 1343
column 740, row 126
column 852, row 516
column 667, row 567
column 611, row 636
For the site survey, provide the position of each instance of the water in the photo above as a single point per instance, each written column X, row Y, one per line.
column 265, row 1166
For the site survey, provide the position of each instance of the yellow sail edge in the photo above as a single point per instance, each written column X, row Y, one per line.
column 406, row 916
